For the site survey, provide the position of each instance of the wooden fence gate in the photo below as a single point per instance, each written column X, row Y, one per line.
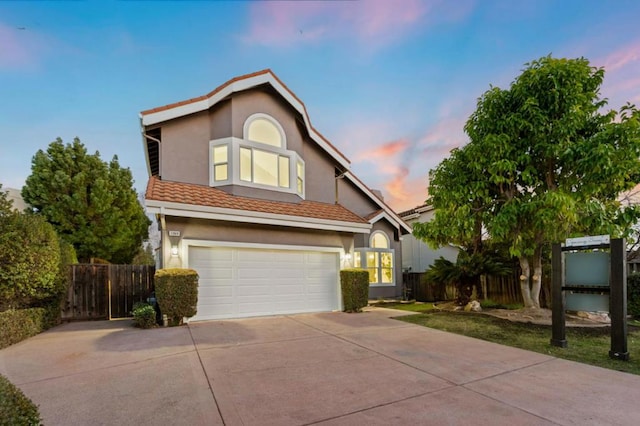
column 98, row 291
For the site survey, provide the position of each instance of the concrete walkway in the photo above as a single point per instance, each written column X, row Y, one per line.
column 329, row 369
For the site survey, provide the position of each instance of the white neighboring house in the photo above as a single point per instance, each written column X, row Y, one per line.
column 15, row 196
column 417, row 256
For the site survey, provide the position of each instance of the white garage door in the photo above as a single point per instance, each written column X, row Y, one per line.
column 242, row 282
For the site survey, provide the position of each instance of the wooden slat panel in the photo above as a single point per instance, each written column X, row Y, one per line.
column 88, row 291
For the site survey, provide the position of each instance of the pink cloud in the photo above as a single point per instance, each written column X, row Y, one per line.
column 383, row 151
column 622, row 57
column 24, row 48
column 444, row 136
column 377, row 22
column 622, row 71
column 15, row 48
column 404, row 191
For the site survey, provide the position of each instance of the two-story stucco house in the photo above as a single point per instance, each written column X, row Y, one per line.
column 261, row 205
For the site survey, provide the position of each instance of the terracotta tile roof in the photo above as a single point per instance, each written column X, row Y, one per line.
column 372, row 215
column 240, row 78
column 200, row 195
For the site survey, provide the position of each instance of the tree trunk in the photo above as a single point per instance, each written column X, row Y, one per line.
column 524, row 282
column 536, row 280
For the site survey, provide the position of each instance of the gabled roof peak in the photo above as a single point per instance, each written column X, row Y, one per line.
column 238, row 84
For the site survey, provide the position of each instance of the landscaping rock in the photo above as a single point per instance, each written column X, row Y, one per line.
column 473, row 306
column 602, row 317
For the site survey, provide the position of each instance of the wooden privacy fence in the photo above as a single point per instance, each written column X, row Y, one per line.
column 499, row 289
column 98, row 291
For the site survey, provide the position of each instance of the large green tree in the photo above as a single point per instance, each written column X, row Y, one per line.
column 90, row 203
column 544, row 162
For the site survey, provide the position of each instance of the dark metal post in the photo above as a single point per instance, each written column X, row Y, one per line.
column 558, row 332
column 618, row 300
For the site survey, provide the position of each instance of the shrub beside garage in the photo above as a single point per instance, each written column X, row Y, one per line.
column 15, row 408
column 354, row 284
column 177, row 293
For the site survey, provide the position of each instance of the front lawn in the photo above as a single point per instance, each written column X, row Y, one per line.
column 587, row 345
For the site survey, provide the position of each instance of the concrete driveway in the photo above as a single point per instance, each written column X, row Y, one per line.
column 329, row 369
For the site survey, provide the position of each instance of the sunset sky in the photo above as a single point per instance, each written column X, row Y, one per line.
column 390, row 83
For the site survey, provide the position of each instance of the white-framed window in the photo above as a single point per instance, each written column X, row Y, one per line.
column 300, row 177
column 220, row 161
column 263, row 128
column 264, row 168
column 378, row 260
column 260, row 160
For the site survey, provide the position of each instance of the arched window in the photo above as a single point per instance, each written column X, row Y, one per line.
column 379, row 240
column 264, row 129
column 378, row 259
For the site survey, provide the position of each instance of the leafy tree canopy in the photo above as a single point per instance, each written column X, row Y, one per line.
column 544, row 162
column 6, row 205
column 90, row 203
column 29, row 260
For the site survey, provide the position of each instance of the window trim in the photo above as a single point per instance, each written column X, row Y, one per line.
column 263, row 116
column 234, row 145
column 362, row 251
column 384, row 234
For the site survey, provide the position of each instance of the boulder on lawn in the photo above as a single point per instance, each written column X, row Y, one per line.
column 473, row 306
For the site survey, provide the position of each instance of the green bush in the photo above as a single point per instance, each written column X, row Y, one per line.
column 177, row 293
column 633, row 294
column 15, row 407
column 144, row 316
column 29, row 260
column 355, row 289
column 19, row 324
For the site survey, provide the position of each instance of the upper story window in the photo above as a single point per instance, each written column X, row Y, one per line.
column 261, row 159
column 264, row 129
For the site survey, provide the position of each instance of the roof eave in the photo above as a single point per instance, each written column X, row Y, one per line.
column 248, row 216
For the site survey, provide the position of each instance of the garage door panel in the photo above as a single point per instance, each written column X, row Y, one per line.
column 252, row 290
column 283, row 290
column 241, row 282
column 210, row 254
column 259, row 273
column 213, row 274
column 221, row 309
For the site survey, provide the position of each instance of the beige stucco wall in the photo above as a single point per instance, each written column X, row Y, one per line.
column 185, row 149
column 213, row 230
column 352, row 198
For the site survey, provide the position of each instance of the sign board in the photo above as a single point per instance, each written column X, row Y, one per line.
column 587, row 269
column 174, row 233
column 593, row 240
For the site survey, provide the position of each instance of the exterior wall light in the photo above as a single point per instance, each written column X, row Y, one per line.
column 174, row 251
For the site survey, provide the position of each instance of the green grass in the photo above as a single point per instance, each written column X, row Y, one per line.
column 586, row 345
column 412, row 307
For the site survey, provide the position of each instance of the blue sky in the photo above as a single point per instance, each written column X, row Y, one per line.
column 390, row 83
